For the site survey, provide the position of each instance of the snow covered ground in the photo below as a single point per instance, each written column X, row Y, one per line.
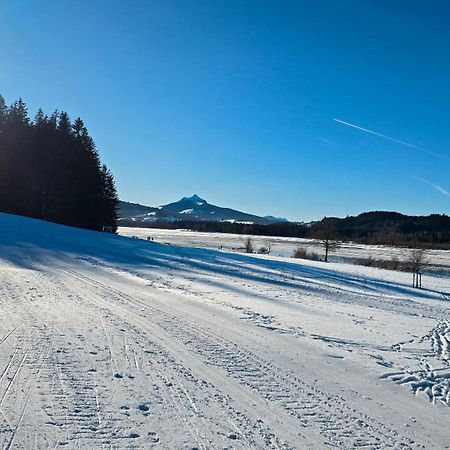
column 110, row 342
column 439, row 260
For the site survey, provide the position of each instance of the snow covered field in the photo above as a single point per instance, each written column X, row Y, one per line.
column 109, row 342
column 283, row 246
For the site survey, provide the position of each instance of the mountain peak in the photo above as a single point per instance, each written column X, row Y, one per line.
column 194, row 199
column 192, row 208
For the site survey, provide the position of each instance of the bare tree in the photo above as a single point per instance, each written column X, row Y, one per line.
column 265, row 249
column 330, row 245
column 248, row 245
column 416, row 262
column 326, row 236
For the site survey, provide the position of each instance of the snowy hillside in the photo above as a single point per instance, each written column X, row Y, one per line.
column 190, row 208
column 113, row 342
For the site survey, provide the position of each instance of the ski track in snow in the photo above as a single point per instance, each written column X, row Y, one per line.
column 113, row 343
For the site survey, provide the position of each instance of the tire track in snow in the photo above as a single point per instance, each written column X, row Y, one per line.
column 329, row 416
column 53, row 381
column 249, row 430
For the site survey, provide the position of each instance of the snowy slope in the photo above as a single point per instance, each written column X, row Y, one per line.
column 112, row 342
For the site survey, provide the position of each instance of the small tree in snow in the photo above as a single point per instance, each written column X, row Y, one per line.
column 248, row 245
column 326, row 236
column 265, row 250
column 416, row 261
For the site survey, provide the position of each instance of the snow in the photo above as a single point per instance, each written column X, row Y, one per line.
column 186, row 211
column 113, row 342
column 243, row 222
column 284, row 246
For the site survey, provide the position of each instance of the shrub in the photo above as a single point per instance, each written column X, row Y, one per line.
column 390, row 264
column 248, row 246
column 313, row 256
column 300, row 252
column 369, row 261
column 393, row 264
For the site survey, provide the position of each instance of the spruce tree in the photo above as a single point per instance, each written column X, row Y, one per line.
column 110, row 200
column 50, row 169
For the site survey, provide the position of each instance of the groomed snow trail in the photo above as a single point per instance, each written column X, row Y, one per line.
column 115, row 343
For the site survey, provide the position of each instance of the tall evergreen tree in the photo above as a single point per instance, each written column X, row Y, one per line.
column 50, row 169
column 3, row 112
column 110, row 200
column 15, row 159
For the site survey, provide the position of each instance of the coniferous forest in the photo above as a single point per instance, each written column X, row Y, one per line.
column 50, row 169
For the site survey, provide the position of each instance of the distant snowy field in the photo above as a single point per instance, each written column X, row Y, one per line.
column 285, row 247
column 108, row 342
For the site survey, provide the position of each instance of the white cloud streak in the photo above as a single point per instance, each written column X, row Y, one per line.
column 433, row 185
column 397, row 141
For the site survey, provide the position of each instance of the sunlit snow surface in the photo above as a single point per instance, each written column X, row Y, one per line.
column 111, row 342
column 285, row 247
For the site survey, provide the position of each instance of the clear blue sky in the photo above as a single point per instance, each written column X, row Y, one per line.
column 235, row 100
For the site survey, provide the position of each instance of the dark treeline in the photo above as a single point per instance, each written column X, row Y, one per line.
column 378, row 227
column 50, row 169
column 392, row 228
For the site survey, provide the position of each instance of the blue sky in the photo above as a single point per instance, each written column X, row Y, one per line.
column 236, row 100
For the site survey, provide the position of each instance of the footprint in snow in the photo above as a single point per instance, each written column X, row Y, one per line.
column 144, row 407
column 152, row 437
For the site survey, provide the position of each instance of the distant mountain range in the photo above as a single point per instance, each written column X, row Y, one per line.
column 375, row 227
column 192, row 208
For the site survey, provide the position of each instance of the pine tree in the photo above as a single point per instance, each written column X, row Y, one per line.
column 50, row 169
column 3, row 113
column 16, row 172
column 110, row 200
column 91, row 176
column 3, row 153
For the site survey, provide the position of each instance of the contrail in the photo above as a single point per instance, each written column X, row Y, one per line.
column 433, row 185
column 407, row 144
